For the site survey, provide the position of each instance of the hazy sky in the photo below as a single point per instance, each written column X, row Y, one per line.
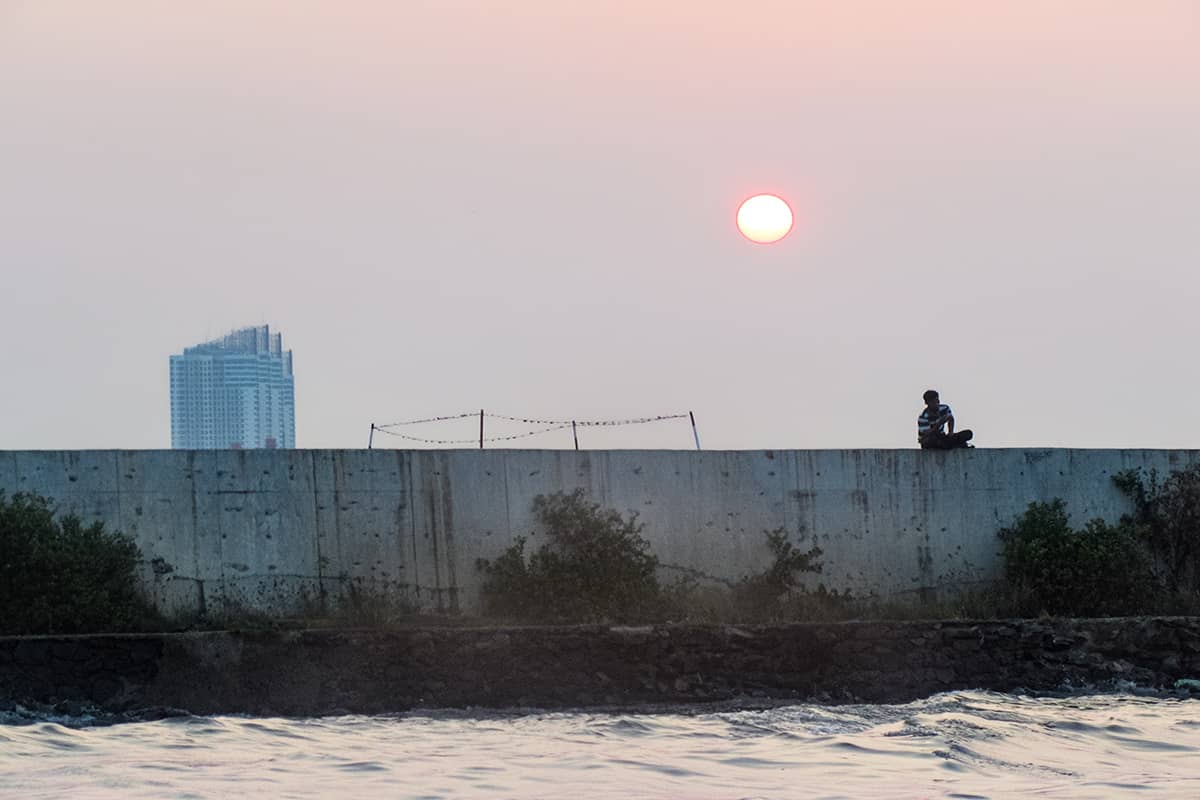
column 527, row 206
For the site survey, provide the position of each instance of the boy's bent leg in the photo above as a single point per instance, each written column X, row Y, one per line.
column 961, row 438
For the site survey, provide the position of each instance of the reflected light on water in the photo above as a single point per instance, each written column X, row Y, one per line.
column 953, row 745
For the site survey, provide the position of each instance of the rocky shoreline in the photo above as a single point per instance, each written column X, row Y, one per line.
column 318, row 672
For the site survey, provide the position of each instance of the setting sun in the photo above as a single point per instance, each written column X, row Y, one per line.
column 764, row 218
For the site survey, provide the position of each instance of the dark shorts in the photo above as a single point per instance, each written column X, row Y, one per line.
column 946, row 441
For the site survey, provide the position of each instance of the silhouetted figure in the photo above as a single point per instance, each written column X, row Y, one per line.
column 933, row 419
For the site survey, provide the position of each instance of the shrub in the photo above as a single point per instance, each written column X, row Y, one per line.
column 769, row 594
column 595, row 567
column 1099, row 570
column 363, row 606
column 60, row 576
column 1167, row 518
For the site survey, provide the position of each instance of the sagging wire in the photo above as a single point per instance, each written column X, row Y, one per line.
column 551, row 425
column 473, row 440
column 428, row 419
column 589, row 423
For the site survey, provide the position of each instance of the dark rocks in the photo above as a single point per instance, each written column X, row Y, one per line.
column 32, row 652
column 320, row 672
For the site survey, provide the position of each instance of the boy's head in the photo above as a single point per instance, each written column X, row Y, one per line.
column 931, row 398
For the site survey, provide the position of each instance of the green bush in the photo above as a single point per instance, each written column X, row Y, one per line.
column 595, row 567
column 1098, row 570
column 1166, row 518
column 777, row 592
column 60, row 576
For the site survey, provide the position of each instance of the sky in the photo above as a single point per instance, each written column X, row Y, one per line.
column 528, row 207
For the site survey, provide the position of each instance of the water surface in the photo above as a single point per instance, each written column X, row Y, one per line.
column 962, row 744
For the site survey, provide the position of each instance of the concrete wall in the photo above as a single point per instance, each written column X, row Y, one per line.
column 273, row 529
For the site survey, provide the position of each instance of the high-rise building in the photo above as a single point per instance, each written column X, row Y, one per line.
column 232, row 392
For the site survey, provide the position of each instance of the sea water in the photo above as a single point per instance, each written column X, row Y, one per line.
column 961, row 744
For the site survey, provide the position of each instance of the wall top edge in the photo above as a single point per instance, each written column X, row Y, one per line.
column 974, row 452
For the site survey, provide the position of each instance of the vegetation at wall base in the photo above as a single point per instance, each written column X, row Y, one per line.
column 778, row 592
column 595, row 566
column 1146, row 563
column 1166, row 518
column 360, row 606
column 61, row 576
column 1098, row 570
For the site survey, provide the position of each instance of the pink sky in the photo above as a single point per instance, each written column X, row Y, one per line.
column 528, row 207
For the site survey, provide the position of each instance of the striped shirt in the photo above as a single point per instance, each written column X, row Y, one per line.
column 925, row 421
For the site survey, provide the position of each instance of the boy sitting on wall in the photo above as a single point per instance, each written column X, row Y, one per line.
column 933, row 419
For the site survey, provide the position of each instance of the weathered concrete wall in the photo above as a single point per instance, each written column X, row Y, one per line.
column 364, row 671
column 272, row 530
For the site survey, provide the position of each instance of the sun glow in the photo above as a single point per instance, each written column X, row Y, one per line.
column 764, row 218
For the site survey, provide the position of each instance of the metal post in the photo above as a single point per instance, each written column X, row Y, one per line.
column 481, row 429
column 575, row 433
column 371, row 438
column 694, row 433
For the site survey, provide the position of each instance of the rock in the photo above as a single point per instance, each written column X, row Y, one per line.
column 500, row 641
column 314, row 671
column 105, row 688
column 65, row 650
column 635, row 632
column 32, row 652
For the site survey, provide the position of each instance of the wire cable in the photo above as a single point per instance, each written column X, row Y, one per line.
column 474, row 440
column 428, row 419
column 589, row 423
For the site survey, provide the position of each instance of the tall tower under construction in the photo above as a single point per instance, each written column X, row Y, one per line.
column 233, row 392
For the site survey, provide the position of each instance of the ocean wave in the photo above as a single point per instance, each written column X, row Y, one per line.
column 958, row 744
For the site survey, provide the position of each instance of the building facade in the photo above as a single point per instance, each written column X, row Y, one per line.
column 234, row 392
